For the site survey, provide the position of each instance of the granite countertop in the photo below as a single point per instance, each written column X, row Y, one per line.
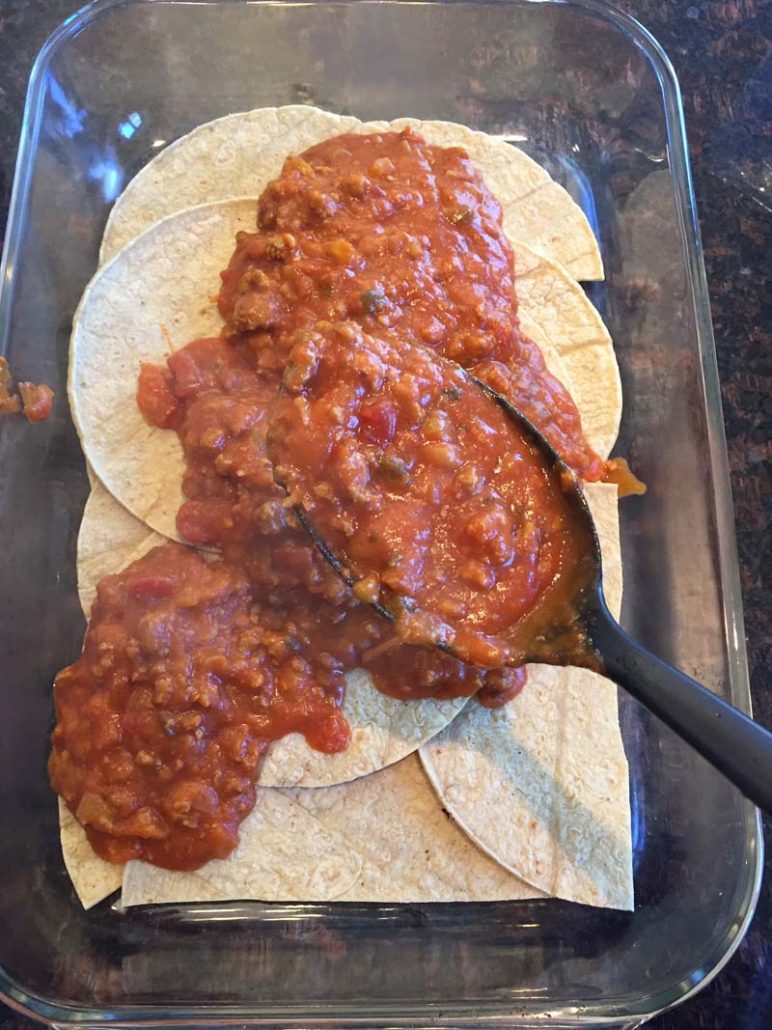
column 721, row 54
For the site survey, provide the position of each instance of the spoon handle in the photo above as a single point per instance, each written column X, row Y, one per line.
column 737, row 746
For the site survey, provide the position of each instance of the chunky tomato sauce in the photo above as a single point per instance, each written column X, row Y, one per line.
column 188, row 672
column 369, row 249
column 222, row 411
column 218, row 405
column 184, row 679
column 406, row 239
column 418, row 479
column 268, row 623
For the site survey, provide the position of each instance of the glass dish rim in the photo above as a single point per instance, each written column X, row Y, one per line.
column 52, row 1011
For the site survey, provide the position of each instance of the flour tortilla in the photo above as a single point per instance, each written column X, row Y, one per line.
column 391, row 809
column 555, row 313
column 109, row 539
column 541, row 785
column 92, row 877
column 157, row 296
column 383, row 729
column 152, row 298
column 382, row 838
column 238, row 155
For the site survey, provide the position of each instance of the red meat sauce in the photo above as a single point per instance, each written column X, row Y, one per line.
column 221, row 408
column 190, row 666
column 184, row 679
column 405, row 238
column 187, row 674
column 441, row 507
column 193, row 664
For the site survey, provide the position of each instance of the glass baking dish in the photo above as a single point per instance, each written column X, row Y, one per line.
column 589, row 93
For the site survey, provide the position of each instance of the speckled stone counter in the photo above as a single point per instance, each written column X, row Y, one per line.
column 722, row 55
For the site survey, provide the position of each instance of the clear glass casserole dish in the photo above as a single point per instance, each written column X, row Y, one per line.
column 590, row 94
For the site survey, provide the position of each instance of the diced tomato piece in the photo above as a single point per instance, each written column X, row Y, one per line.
column 155, row 397
column 378, row 422
column 204, row 522
column 37, row 400
column 152, row 586
column 331, row 735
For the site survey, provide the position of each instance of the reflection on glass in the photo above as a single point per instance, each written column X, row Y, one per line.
column 72, row 117
column 130, row 126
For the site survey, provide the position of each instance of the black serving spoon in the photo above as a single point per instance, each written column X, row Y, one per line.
column 586, row 634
